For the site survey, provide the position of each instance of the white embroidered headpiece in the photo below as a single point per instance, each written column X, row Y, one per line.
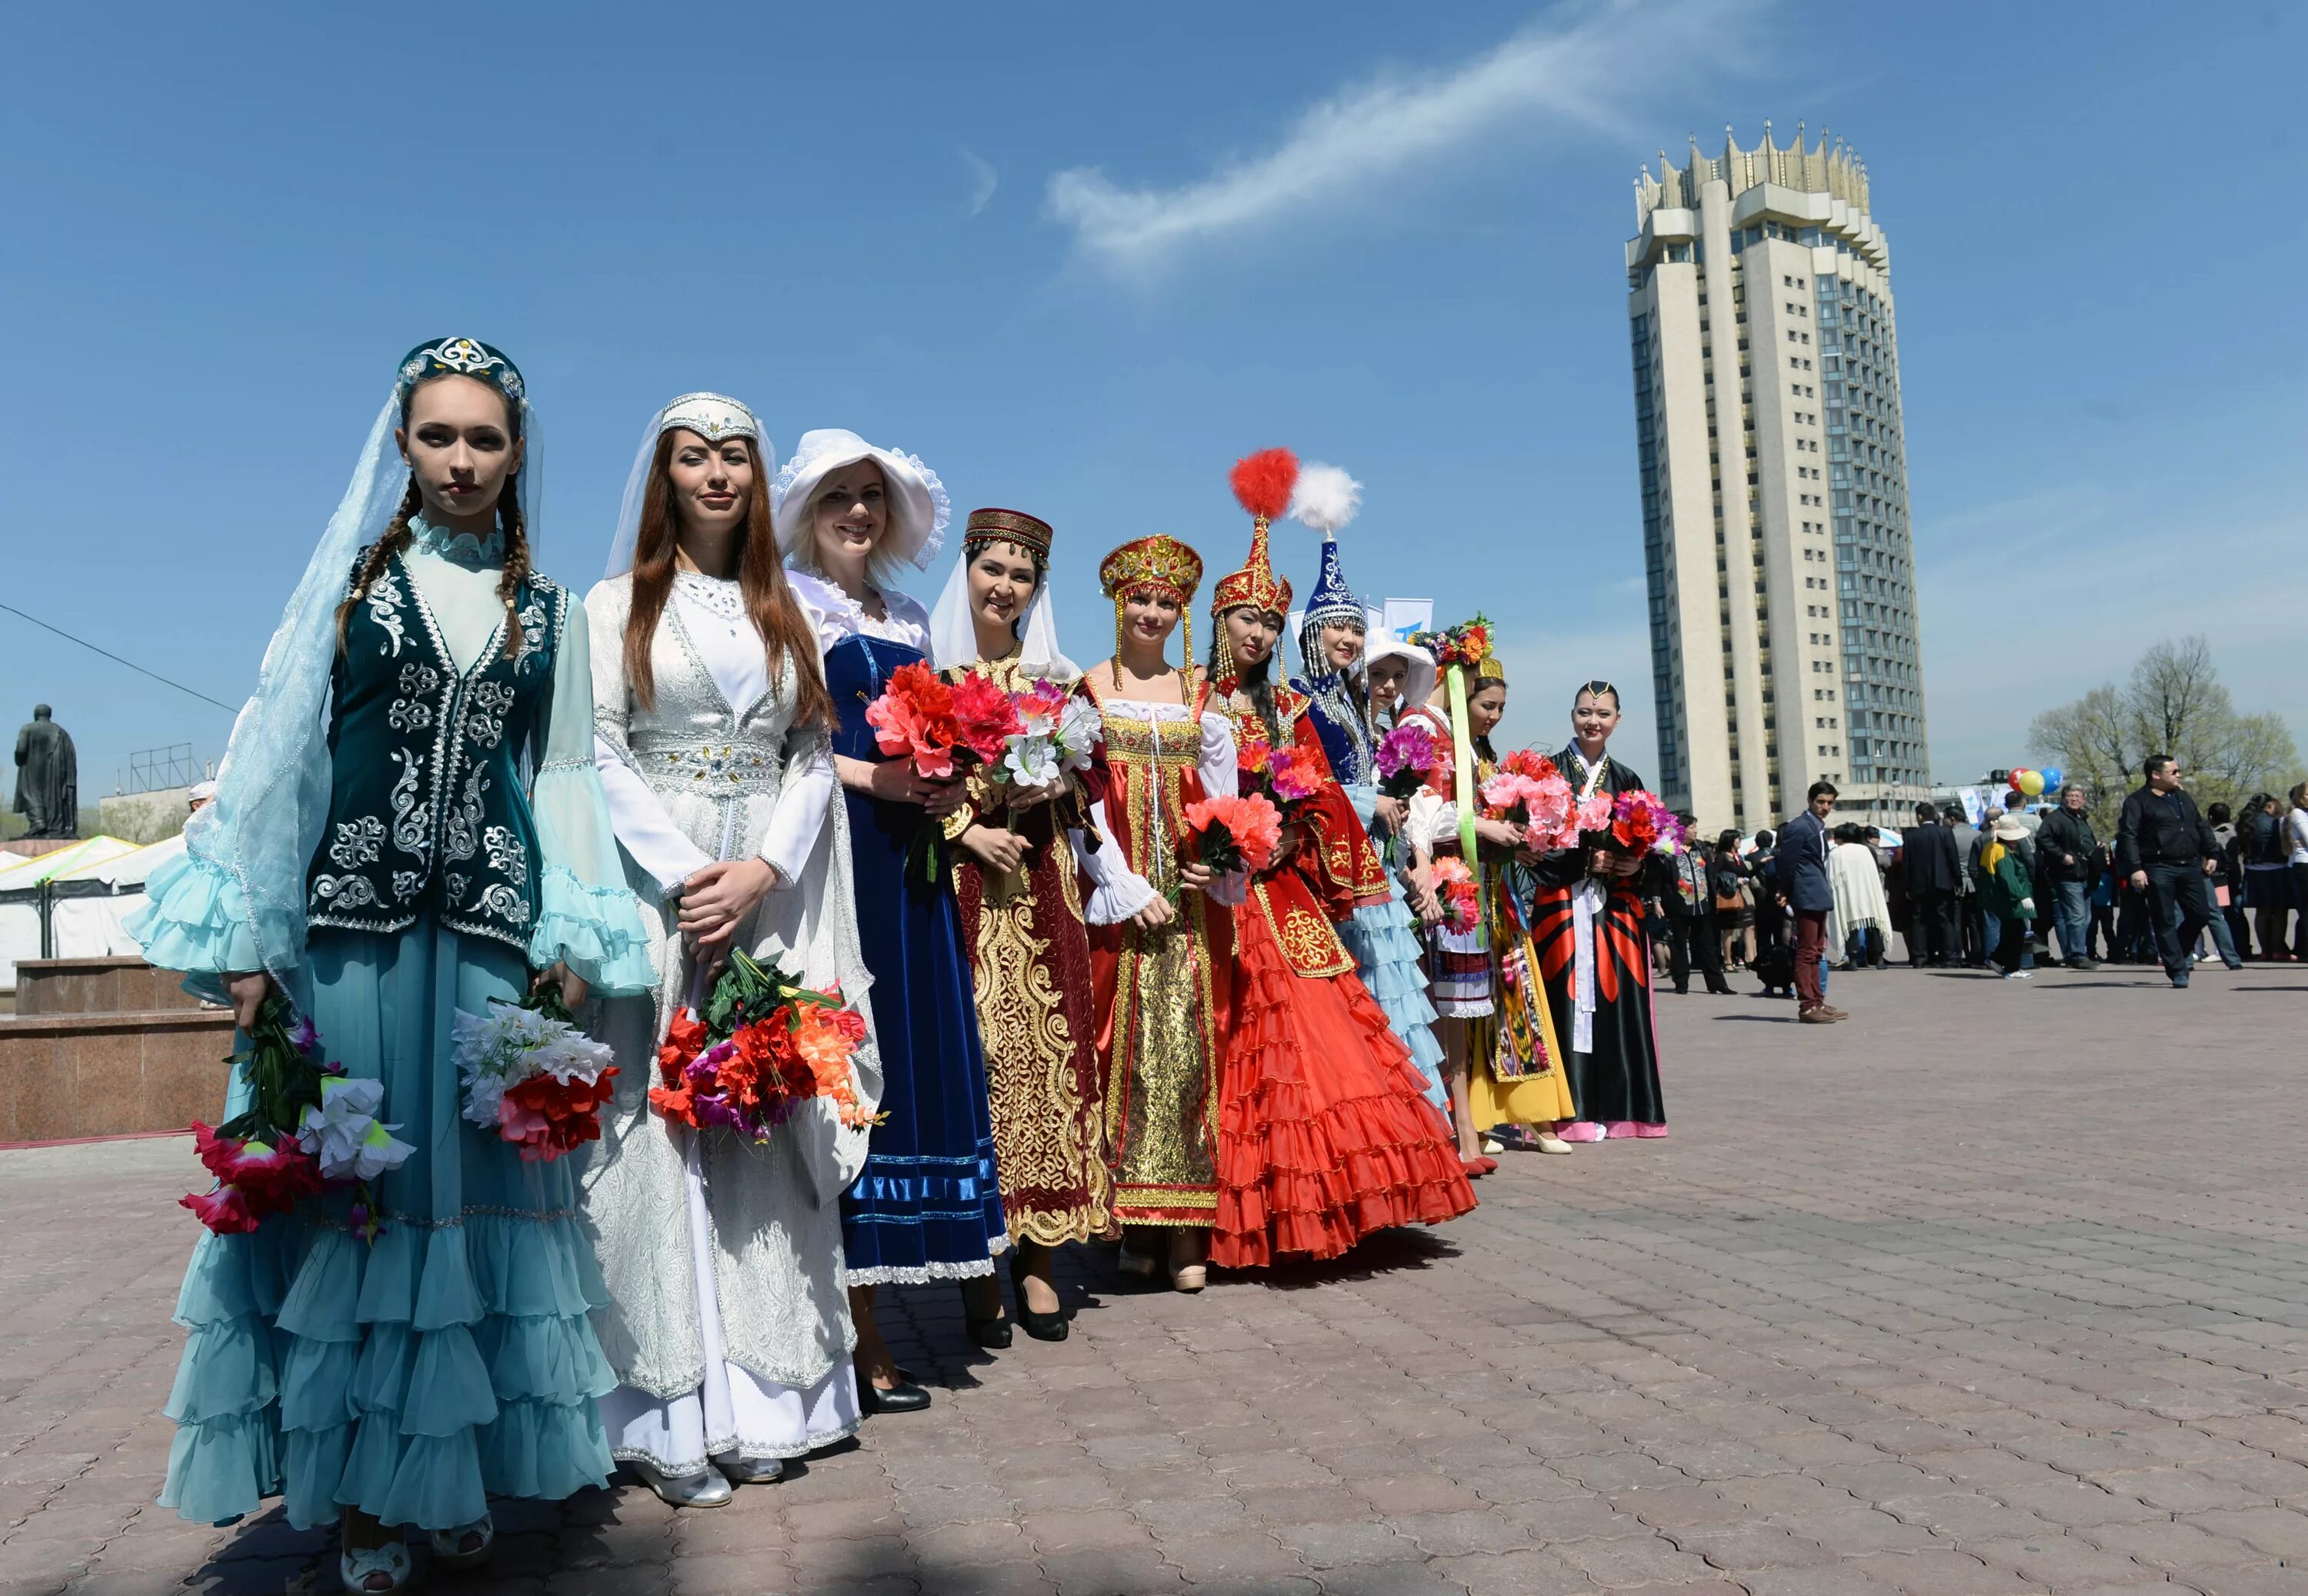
column 918, row 507
column 715, row 418
column 712, row 416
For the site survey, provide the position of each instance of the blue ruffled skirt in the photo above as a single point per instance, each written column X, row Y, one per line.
column 450, row 1360
column 1384, row 942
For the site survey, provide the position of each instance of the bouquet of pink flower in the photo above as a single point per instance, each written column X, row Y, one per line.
column 309, row 1129
column 1234, row 833
column 1410, row 759
column 1528, row 791
column 1635, row 822
column 1462, row 897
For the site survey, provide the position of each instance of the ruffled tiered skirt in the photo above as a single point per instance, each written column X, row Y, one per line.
column 1324, row 1133
column 1384, row 942
column 451, row 1360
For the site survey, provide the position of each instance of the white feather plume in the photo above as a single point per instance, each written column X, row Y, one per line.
column 1326, row 498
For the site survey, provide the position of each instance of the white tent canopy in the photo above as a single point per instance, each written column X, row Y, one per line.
column 91, row 885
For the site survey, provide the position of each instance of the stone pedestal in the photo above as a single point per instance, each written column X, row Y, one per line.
column 107, row 1047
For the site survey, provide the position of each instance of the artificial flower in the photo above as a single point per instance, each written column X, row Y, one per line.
column 1236, row 833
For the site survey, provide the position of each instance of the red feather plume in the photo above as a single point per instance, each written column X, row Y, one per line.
column 1263, row 482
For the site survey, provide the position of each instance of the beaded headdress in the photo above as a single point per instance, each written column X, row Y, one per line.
column 712, row 416
column 463, row 358
column 1007, row 525
column 1262, row 484
column 1160, row 563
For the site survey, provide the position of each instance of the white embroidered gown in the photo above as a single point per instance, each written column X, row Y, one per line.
column 729, row 1326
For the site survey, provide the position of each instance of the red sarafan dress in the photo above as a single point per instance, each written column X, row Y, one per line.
column 1325, row 1132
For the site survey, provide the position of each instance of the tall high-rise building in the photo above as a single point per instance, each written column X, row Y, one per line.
column 1775, row 487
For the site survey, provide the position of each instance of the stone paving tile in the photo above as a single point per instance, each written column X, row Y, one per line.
column 1891, row 1312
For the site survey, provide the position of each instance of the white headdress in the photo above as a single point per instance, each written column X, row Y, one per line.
column 1419, row 685
column 919, row 508
column 953, row 636
column 712, row 416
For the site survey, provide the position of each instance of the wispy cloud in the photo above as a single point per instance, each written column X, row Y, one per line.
column 983, row 181
column 1581, row 65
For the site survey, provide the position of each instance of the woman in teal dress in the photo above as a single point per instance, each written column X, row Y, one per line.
column 408, row 826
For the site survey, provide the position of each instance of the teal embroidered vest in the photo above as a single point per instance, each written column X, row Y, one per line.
column 428, row 810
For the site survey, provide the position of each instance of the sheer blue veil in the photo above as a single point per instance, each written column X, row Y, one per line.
column 273, row 788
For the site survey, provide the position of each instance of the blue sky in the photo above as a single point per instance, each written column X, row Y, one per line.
column 1080, row 258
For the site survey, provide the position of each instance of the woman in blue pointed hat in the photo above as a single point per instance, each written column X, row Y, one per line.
column 1382, row 937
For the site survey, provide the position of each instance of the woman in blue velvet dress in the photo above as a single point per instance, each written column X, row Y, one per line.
column 1383, row 937
column 849, row 516
column 407, row 826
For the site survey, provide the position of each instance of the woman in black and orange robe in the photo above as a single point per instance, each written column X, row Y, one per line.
column 1588, row 910
column 1325, row 1131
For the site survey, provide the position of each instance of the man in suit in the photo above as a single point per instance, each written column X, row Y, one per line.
column 1934, row 869
column 1803, row 874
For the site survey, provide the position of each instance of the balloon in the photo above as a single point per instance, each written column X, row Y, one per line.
column 2055, row 778
column 2031, row 782
column 2013, row 781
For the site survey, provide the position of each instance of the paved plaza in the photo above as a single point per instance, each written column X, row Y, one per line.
column 1997, row 1287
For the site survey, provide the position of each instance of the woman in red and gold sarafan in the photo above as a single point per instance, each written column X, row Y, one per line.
column 1324, row 1133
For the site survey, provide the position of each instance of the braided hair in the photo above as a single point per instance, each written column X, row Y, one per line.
column 397, row 537
column 516, row 560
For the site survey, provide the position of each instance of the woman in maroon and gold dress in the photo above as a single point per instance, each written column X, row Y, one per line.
column 1022, row 920
column 1324, row 1132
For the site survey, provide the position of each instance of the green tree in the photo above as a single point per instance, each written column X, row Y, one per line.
column 2174, row 703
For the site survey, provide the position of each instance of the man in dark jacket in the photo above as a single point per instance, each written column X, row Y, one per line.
column 1934, row 869
column 2067, row 861
column 1803, row 875
column 2164, row 847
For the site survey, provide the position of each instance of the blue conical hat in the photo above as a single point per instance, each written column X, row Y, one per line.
column 1331, row 599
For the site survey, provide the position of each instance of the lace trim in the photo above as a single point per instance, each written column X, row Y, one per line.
column 923, row 1274
column 730, row 1447
column 571, row 763
column 460, row 548
column 1144, row 710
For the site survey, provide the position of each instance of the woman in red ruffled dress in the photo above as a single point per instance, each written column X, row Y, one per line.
column 1324, row 1132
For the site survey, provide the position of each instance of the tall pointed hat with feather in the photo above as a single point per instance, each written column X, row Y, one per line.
column 1263, row 483
column 1326, row 499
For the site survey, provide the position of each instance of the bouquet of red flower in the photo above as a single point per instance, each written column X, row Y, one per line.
column 309, row 1129
column 1234, row 833
column 1635, row 822
column 944, row 727
column 1409, row 760
column 1530, row 793
column 764, row 1045
column 532, row 1076
column 1462, row 897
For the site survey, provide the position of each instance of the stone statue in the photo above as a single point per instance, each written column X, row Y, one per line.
column 48, row 777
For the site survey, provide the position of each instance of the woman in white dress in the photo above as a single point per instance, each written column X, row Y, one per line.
column 727, row 1328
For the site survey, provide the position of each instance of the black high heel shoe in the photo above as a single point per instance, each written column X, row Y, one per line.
column 992, row 1334
column 1041, row 1326
column 906, row 1396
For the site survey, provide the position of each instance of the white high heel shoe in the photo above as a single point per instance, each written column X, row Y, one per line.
column 708, row 1490
column 359, row 1565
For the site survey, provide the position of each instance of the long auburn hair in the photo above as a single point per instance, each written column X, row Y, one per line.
column 777, row 615
column 397, row 535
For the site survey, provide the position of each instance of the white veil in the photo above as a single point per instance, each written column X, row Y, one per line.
column 712, row 416
column 953, row 638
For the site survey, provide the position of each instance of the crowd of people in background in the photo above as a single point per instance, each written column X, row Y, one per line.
column 2031, row 884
